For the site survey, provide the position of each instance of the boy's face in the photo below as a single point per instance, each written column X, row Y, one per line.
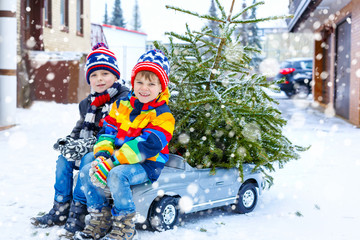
column 101, row 80
column 146, row 89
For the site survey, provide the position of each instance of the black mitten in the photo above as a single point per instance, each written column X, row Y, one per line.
column 61, row 142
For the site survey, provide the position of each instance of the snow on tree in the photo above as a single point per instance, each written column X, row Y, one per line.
column 117, row 15
column 224, row 118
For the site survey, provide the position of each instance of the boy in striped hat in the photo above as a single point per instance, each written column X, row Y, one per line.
column 102, row 74
column 132, row 150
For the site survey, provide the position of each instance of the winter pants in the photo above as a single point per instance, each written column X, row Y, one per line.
column 64, row 179
column 119, row 180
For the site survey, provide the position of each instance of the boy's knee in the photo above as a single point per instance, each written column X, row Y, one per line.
column 62, row 162
column 117, row 174
column 86, row 159
column 84, row 172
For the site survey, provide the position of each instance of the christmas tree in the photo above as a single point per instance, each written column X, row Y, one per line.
column 136, row 17
column 224, row 118
column 106, row 20
column 117, row 15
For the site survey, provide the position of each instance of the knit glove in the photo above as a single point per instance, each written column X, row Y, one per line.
column 101, row 167
column 75, row 149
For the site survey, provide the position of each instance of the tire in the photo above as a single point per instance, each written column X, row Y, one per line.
column 246, row 198
column 301, row 91
column 164, row 213
column 289, row 94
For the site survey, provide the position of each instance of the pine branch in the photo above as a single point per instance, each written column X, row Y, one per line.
column 208, row 17
column 178, row 36
column 261, row 19
column 221, row 8
column 246, row 9
column 208, row 35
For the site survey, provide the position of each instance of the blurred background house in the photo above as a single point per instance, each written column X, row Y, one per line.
column 336, row 74
column 53, row 39
column 44, row 52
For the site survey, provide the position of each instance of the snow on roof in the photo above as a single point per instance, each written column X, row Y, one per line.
column 55, row 56
column 123, row 29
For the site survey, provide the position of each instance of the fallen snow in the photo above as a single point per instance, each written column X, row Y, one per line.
column 315, row 197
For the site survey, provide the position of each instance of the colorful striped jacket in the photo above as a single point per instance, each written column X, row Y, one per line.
column 138, row 133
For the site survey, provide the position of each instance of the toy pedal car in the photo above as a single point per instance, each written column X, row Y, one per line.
column 183, row 189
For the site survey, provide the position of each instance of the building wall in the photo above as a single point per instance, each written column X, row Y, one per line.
column 318, row 68
column 7, row 64
column 57, row 40
column 324, row 69
column 282, row 46
column 353, row 10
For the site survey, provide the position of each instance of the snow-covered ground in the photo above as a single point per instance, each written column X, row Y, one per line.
column 315, row 197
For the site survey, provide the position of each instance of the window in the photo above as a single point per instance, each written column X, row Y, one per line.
column 79, row 17
column 27, row 15
column 48, row 13
column 64, row 15
column 306, row 65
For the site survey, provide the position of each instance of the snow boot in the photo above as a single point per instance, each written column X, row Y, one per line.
column 99, row 225
column 76, row 220
column 56, row 216
column 123, row 228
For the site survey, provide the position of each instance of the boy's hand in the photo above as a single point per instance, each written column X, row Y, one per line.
column 61, row 142
column 74, row 149
column 100, row 170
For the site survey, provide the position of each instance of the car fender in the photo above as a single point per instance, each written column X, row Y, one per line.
column 302, row 76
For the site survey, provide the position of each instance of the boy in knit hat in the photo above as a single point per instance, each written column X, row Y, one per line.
column 132, row 150
column 102, row 73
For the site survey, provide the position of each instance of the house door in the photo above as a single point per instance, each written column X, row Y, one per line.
column 342, row 69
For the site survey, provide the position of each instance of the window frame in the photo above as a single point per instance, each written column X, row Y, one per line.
column 64, row 15
column 48, row 13
column 80, row 17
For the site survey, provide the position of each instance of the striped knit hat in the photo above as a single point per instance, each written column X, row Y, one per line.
column 154, row 61
column 101, row 58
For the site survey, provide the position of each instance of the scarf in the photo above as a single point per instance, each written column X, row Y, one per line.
column 99, row 100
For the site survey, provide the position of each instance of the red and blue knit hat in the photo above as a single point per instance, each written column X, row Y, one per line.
column 154, row 61
column 101, row 58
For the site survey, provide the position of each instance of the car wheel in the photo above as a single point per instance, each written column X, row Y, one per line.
column 301, row 91
column 164, row 213
column 246, row 198
column 289, row 94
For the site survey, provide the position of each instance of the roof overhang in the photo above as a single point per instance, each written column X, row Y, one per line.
column 308, row 12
